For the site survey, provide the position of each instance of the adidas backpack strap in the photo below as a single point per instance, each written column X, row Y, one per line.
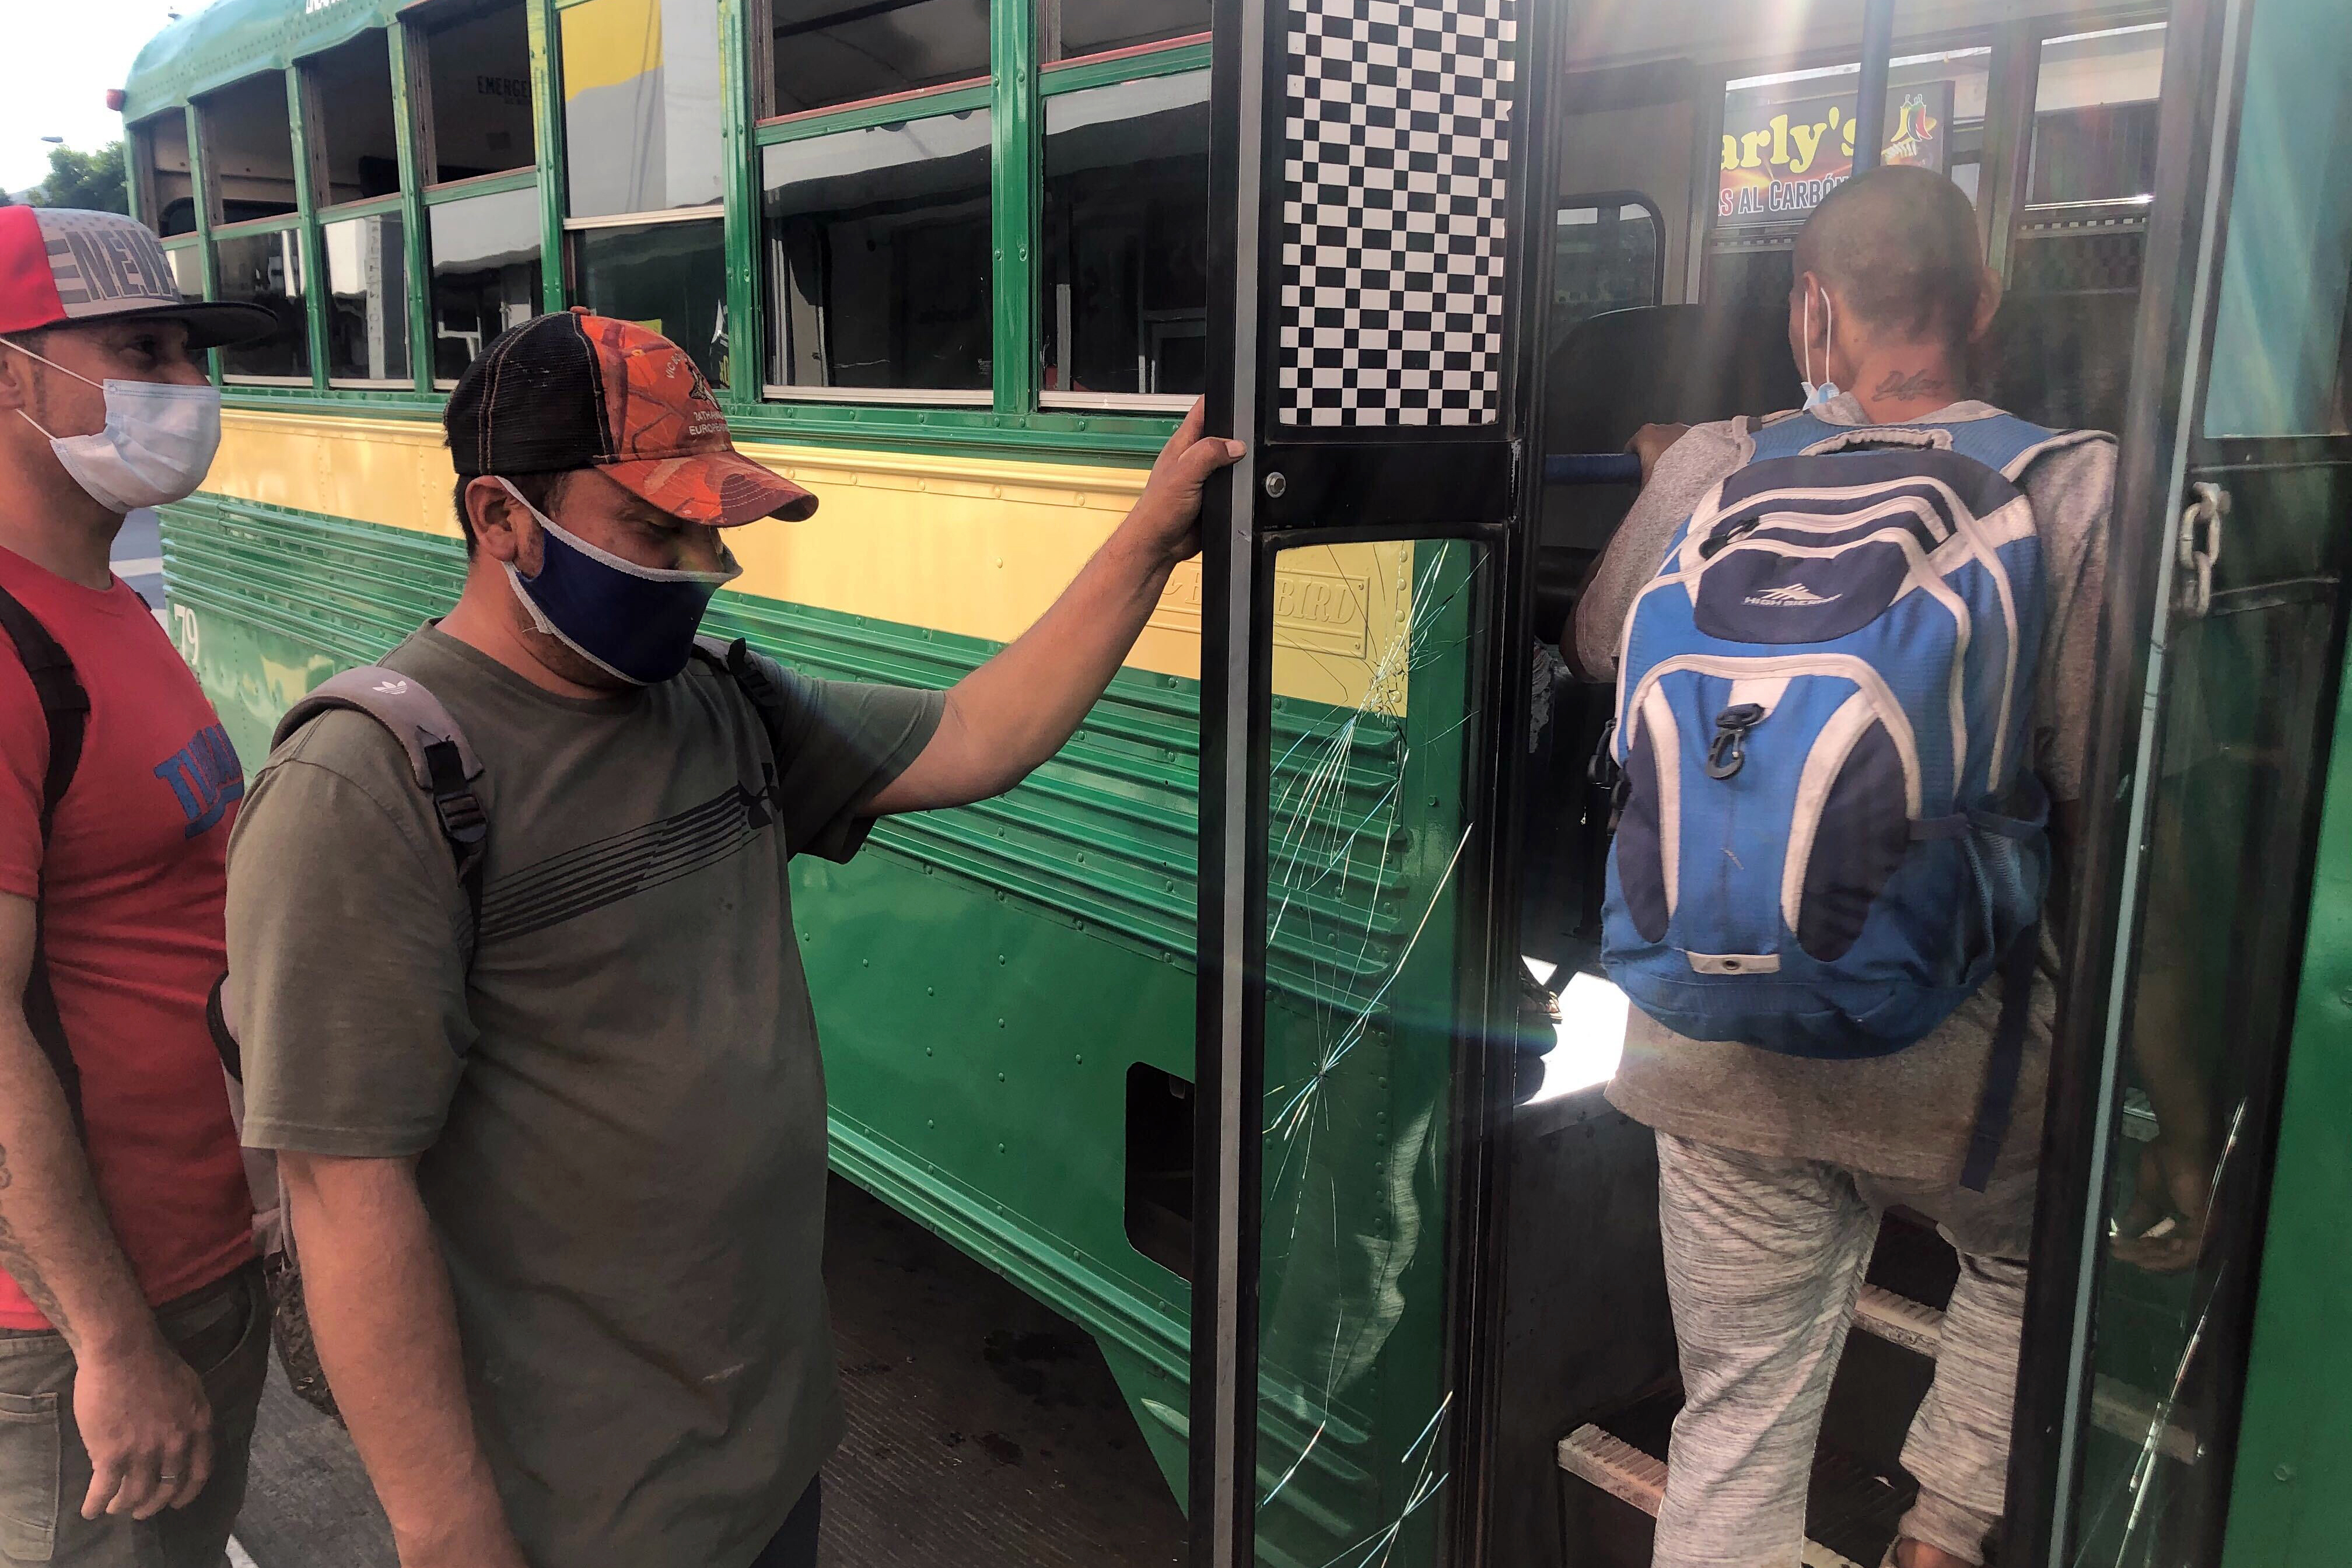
column 445, row 766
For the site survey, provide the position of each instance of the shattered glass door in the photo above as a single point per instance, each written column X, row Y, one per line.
column 1376, row 669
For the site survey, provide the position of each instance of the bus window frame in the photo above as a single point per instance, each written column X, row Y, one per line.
column 1111, row 68
column 872, row 115
column 391, row 206
column 2131, row 213
column 1615, row 198
column 759, row 63
column 209, row 199
column 254, row 228
column 417, row 23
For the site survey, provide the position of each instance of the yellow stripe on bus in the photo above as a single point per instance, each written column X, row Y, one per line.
column 609, row 43
column 975, row 546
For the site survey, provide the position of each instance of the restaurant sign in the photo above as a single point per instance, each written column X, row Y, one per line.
column 1781, row 159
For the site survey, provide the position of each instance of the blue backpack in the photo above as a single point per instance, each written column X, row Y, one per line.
column 1830, row 833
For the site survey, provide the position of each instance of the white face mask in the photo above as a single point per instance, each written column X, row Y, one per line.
column 1817, row 395
column 157, row 446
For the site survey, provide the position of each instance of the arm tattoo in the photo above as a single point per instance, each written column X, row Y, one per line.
column 1904, row 388
column 18, row 1262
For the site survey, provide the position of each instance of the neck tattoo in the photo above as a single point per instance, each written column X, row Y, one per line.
column 1902, row 388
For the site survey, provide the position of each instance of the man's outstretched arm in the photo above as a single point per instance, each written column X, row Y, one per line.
column 140, row 1410
column 1016, row 710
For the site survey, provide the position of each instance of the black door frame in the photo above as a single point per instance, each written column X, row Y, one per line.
column 1301, row 486
column 2196, row 140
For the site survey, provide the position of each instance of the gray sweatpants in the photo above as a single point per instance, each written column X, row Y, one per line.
column 1764, row 1260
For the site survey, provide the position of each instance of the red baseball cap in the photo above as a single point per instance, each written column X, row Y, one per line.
column 573, row 390
column 67, row 267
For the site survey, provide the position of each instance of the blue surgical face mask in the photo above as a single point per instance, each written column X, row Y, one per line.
column 634, row 623
column 1817, row 395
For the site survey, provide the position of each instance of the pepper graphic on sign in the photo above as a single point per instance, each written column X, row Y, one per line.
column 1781, row 159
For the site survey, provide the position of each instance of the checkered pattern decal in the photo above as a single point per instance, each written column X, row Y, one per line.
column 1396, row 132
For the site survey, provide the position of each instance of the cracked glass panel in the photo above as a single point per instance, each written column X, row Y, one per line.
column 1375, row 677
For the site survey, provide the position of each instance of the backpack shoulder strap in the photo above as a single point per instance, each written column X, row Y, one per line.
column 439, row 755
column 64, row 703
column 65, row 708
column 735, row 659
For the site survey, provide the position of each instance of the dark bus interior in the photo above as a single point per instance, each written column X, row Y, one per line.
column 1663, row 314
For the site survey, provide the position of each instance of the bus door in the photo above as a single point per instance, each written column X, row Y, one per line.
column 2174, row 1366
column 1363, row 654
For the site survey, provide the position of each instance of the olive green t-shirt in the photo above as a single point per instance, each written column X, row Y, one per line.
column 618, row 1107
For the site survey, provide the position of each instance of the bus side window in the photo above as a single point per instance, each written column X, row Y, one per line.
column 349, row 118
column 167, row 199
column 477, row 103
column 248, row 149
column 1073, row 30
column 2060, row 350
column 2091, row 176
column 1124, row 280
column 1607, row 256
column 249, row 155
column 476, row 119
column 878, row 254
column 824, row 53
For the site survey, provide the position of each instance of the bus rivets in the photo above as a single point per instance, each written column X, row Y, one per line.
column 1276, row 484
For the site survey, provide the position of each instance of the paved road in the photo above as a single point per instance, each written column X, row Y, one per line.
column 984, row 1432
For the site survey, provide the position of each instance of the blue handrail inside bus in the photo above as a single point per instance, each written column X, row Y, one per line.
column 1592, row 468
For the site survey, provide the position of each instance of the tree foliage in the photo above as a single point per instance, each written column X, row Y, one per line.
column 93, row 180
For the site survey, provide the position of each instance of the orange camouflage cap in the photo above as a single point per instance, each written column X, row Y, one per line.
column 575, row 390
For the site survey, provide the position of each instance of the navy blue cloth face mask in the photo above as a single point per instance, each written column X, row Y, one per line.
column 634, row 623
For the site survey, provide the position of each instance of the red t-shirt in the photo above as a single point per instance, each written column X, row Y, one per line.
column 132, row 925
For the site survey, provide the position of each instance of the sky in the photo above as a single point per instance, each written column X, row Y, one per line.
column 66, row 54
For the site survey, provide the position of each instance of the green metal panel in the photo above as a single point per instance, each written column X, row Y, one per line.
column 135, row 182
column 206, row 267
column 1080, row 75
column 547, row 130
column 747, row 331
column 890, row 112
column 1015, row 154
column 482, row 186
column 306, row 202
column 2290, row 1504
column 1119, row 440
column 368, row 208
column 408, row 146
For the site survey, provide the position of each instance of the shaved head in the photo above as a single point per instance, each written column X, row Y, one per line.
column 1898, row 247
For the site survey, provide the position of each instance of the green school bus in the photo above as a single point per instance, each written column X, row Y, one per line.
column 1213, row 1035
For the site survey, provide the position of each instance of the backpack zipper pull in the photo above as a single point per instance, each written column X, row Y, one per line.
column 1727, row 753
column 1723, row 539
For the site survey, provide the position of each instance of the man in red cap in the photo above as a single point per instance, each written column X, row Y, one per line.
column 557, row 1168
column 132, row 1336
